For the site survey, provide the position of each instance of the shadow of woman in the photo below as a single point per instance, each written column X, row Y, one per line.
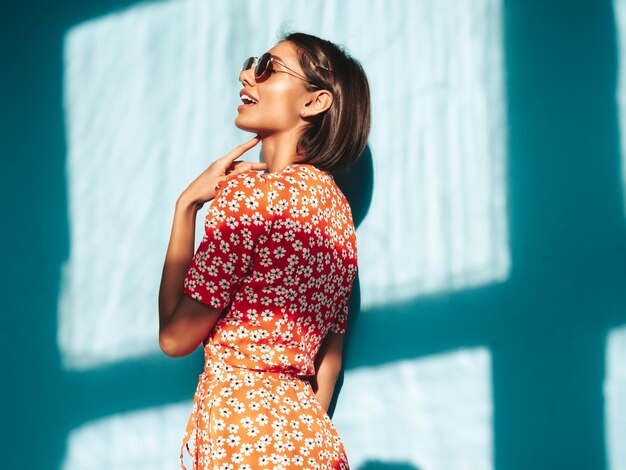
column 357, row 185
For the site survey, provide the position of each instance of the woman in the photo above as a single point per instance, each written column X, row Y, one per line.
column 267, row 289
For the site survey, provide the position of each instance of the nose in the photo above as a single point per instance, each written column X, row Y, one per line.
column 246, row 77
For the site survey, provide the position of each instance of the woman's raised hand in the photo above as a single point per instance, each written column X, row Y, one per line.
column 202, row 189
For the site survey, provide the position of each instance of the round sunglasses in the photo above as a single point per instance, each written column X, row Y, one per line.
column 263, row 67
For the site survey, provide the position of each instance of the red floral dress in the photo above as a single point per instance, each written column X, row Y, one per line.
column 279, row 258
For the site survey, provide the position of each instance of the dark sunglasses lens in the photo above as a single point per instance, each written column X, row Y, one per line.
column 248, row 63
column 263, row 66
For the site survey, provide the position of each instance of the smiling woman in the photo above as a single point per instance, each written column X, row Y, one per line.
column 334, row 136
column 267, row 290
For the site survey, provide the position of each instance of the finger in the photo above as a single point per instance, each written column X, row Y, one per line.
column 220, row 179
column 238, row 163
column 246, row 165
column 257, row 166
column 242, row 166
column 237, row 166
column 241, row 149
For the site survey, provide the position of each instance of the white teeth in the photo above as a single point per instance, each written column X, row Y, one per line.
column 247, row 99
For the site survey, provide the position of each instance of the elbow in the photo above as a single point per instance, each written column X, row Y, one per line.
column 171, row 346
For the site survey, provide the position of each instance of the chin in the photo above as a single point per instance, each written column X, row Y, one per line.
column 248, row 126
column 243, row 125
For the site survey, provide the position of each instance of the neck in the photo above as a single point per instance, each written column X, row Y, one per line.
column 279, row 150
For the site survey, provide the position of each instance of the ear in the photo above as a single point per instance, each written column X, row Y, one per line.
column 319, row 101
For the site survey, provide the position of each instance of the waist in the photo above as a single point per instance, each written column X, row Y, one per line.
column 220, row 359
column 219, row 368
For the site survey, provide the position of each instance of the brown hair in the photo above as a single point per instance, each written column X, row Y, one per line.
column 334, row 139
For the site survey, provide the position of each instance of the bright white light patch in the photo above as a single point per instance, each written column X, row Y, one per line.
column 150, row 98
column 619, row 8
column 143, row 440
column 434, row 413
column 615, row 398
column 438, row 216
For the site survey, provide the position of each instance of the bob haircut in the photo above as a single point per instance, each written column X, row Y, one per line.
column 333, row 140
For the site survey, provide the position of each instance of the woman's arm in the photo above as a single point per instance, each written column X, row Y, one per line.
column 327, row 368
column 184, row 322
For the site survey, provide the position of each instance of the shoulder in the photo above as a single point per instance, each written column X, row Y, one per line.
column 325, row 184
column 245, row 183
column 243, row 195
column 302, row 175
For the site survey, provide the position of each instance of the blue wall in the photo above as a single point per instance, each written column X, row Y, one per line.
column 564, row 292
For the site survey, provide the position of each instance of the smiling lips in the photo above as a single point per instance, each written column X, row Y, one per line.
column 247, row 99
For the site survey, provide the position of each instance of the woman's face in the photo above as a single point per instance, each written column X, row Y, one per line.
column 279, row 97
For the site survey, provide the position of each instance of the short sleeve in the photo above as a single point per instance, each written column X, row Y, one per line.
column 341, row 320
column 236, row 222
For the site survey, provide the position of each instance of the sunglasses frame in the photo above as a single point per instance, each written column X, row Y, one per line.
column 268, row 59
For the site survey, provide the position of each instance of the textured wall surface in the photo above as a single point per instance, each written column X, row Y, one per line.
column 487, row 322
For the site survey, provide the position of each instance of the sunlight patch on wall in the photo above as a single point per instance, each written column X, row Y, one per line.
column 150, row 97
column 147, row 109
column 619, row 8
column 433, row 414
column 615, row 398
column 143, row 440
column 438, row 217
